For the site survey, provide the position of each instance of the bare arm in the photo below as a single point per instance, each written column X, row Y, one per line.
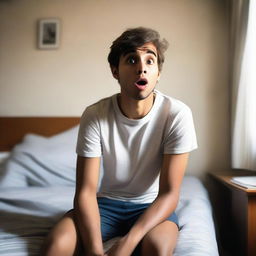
column 172, row 172
column 86, row 209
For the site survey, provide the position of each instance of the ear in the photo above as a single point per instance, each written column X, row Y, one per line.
column 158, row 78
column 114, row 71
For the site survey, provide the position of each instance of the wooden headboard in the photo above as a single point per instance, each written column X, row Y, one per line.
column 12, row 129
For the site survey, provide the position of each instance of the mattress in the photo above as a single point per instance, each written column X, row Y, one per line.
column 37, row 186
column 27, row 215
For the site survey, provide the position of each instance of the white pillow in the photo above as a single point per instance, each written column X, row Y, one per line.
column 42, row 161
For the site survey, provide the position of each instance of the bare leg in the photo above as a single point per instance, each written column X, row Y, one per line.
column 161, row 240
column 63, row 238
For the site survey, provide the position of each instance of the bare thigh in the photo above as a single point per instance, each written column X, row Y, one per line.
column 63, row 239
column 161, row 240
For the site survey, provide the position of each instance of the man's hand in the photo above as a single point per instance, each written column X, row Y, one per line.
column 121, row 247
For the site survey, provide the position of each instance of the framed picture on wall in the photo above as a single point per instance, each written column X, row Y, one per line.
column 48, row 33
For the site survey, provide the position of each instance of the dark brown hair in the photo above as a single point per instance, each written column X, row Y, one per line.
column 133, row 38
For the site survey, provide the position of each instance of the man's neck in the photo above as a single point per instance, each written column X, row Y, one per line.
column 135, row 109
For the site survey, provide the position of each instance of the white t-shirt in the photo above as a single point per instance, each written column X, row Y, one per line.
column 131, row 150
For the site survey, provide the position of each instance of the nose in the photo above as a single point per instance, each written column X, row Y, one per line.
column 141, row 68
column 142, row 71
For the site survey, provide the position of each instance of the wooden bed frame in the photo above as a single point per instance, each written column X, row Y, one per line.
column 12, row 129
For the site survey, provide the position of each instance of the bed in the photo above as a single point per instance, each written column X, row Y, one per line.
column 37, row 185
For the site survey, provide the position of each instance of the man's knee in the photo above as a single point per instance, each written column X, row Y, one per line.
column 150, row 246
column 57, row 244
column 161, row 241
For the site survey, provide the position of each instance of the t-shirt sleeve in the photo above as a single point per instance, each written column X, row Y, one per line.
column 181, row 136
column 88, row 142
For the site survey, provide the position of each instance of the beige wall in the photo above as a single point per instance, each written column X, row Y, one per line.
column 62, row 82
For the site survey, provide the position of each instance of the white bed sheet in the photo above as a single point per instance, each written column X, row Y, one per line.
column 27, row 215
column 37, row 188
column 3, row 156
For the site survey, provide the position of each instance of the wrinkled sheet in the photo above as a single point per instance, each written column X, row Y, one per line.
column 41, row 161
column 28, row 213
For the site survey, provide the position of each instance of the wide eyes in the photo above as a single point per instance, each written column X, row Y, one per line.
column 134, row 60
column 131, row 60
column 150, row 61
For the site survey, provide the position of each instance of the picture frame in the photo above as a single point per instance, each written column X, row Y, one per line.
column 49, row 33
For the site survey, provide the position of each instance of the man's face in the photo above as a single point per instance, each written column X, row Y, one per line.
column 138, row 72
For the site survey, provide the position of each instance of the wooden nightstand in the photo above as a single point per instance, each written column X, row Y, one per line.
column 238, row 221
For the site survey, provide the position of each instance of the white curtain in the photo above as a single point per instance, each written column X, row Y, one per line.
column 243, row 39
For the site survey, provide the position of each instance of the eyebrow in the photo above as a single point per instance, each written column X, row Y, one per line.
column 147, row 51
column 151, row 52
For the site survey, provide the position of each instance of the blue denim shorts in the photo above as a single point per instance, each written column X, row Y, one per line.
column 117, row 217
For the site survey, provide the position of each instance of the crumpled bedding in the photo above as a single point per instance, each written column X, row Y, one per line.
column 37, row 186
column 27, row 215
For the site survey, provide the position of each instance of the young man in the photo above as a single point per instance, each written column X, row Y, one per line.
column 132, row 153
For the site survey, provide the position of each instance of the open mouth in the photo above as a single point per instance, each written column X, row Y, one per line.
column 141, row 83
